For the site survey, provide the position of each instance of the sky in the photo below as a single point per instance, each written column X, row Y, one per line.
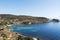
column 41, row 8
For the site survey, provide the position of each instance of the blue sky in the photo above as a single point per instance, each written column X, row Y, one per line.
column 42, row 8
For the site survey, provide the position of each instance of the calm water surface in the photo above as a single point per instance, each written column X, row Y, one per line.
column 46, row 31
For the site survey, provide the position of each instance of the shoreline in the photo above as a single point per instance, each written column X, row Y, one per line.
column 34, row 38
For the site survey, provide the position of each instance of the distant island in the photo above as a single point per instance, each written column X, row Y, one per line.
column 55, row 20
column 6, row 20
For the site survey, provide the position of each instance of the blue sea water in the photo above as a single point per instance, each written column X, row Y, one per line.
column 46, row 31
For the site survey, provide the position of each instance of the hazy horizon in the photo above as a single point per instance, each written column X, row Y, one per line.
column 40, row 8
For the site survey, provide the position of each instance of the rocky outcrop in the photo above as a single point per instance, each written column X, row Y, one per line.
column 6, row 34
column 55, row 20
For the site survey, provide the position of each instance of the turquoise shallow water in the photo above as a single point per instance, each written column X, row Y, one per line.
column 47, row 31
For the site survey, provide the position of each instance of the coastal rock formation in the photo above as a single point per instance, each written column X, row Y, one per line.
column 55, row 20
column 6, row 34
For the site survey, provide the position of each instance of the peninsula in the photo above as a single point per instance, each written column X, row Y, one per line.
column 21, row 19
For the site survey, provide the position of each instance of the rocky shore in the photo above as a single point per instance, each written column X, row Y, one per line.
column 6, row 34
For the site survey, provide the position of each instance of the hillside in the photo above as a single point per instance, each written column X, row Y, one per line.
column 22, row 18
